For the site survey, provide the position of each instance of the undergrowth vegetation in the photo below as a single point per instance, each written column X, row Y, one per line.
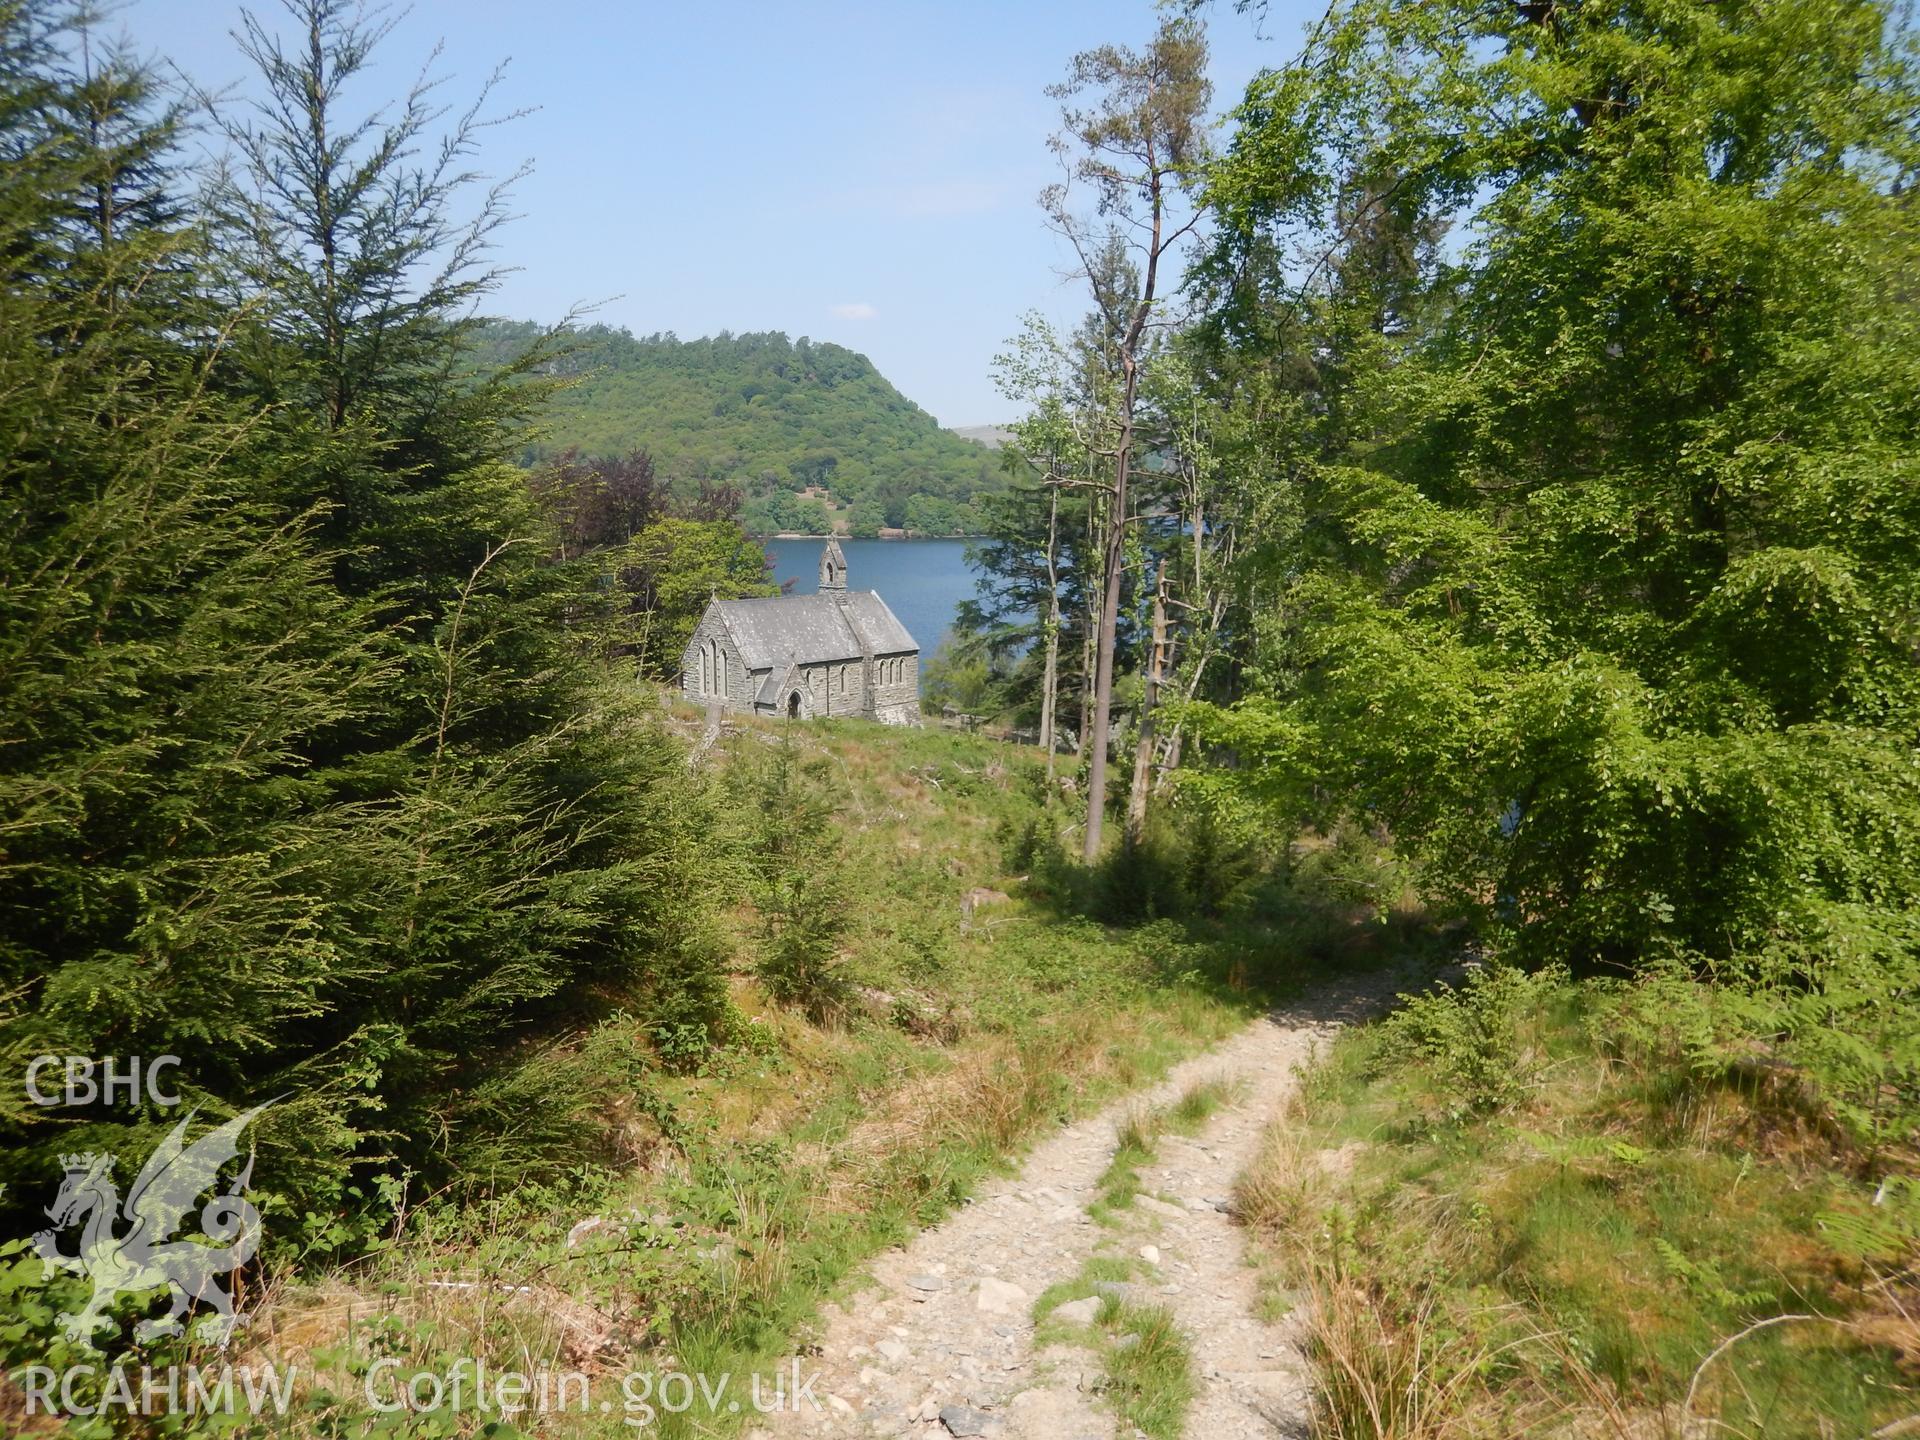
column 1534, row 1206
column 847, row 1074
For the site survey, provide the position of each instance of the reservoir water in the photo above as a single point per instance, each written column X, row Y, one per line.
column 922, row 581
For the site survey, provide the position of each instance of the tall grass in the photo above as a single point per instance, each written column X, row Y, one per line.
column 1149, row 1367
column 1549, row 1253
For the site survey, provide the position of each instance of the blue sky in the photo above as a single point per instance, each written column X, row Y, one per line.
column 861, row 173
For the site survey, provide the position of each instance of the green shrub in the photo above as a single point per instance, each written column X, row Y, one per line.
column 1217, row 859
column 1024, row 838
column 791, row 857
column 1138, row 880
column 1835, row 1036
column 803, row 916
column 1470, row 1039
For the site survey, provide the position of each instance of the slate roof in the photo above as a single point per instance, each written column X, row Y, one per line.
column 884, row 632
column 811, row 628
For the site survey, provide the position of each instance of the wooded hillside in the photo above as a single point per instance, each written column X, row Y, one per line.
column 771, row 415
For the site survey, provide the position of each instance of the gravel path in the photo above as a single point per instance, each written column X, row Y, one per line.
column 941, row 1344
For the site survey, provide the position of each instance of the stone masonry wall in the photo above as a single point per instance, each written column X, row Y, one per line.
column 897, row 700
column 736, row 690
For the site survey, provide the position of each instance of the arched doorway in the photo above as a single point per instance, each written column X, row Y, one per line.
column 793, row 706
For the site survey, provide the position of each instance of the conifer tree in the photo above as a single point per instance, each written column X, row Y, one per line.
column 301, row 778
column 169, row 641
column 515, row 828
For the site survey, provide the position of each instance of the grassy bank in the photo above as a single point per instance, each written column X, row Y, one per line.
column 1503, row 1213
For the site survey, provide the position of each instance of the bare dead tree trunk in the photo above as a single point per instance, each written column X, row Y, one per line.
column 1169, row 761
column 1051, row 679
column 1089, row 627
column 1101, row 730
column 1144, row 745
column 1216, row 609
column 1210, row 603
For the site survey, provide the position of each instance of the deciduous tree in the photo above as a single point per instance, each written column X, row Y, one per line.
column 1133, row 139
